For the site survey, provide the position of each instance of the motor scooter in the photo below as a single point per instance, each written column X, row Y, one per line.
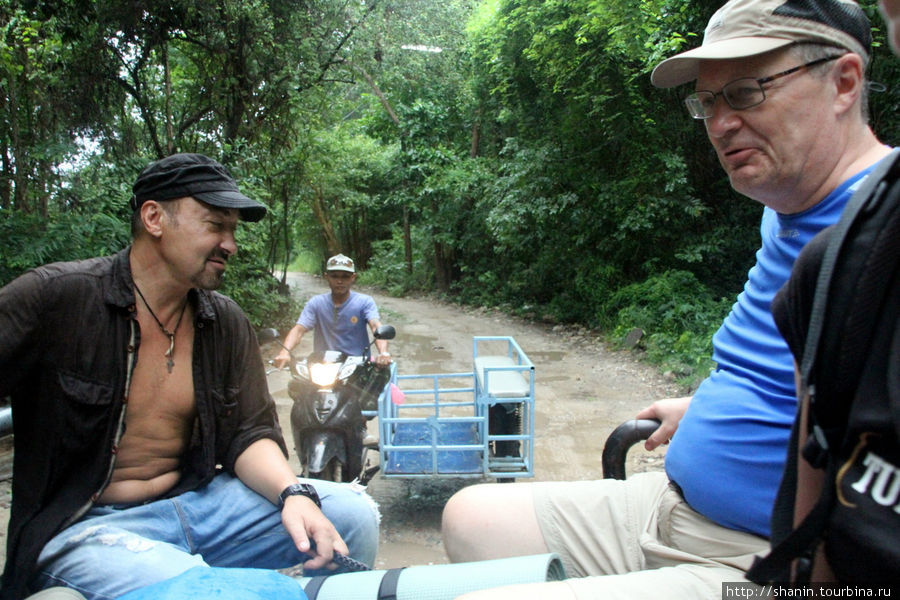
column 330, row 390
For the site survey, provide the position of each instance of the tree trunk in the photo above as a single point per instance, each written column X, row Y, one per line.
column 442, row 267
column 19, row 173
column 476, row 139
column 45, row 171
column 5, row 177
column 407, row 241
column 170, row 133
column 5, row 172
column 380, row 95
column 321, row 213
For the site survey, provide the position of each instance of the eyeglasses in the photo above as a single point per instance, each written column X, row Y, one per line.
column 742, row 93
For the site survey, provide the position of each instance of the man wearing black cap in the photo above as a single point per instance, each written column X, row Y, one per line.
column 780, row 89
column 146, row 442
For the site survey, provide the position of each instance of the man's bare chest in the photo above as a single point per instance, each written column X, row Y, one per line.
column 162, row 402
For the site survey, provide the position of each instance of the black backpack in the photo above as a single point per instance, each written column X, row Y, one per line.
column 851, row 369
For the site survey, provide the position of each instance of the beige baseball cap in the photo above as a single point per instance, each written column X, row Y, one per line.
column 743, row 28
column 339, row 262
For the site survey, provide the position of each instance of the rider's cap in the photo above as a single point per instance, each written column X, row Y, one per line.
column 744, row 28
column 339, row 262
column 194, row 175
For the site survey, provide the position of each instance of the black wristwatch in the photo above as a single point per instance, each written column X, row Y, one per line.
column 299, row 489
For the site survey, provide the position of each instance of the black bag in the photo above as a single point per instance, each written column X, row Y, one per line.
column 851, row 370
column 369, row 381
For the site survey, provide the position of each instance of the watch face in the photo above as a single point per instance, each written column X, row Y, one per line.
column 301, row 489
column 306, row 490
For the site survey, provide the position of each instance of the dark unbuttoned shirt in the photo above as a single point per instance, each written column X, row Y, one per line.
column 69, row 339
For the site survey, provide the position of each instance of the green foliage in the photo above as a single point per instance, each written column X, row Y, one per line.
column 306, row 262
column 678, row 317
column 344, row 173
column 388, row 269
column 528, row 164
column 28, row 242
column 266, row 302
column 92, row 221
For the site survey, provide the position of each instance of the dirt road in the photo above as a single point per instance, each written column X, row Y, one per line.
column 582, row 392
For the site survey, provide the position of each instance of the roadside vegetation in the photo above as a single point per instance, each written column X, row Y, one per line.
column 508, row 153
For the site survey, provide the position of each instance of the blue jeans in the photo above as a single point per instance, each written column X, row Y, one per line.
column 114, row 549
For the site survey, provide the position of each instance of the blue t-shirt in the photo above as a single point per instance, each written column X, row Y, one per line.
column 344, row 328
column 730, row 448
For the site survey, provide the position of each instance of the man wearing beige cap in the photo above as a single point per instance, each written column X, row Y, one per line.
column 340, row 318
column 780, row 87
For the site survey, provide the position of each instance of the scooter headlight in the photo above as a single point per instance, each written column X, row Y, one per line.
column 324, row 374
column 347, row 370
column 302, row 370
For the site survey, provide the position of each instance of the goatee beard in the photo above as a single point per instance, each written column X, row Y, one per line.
column 210, row 282
column 206, row 280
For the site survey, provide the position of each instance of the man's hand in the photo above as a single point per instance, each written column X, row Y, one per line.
column 303, row 520
column 669, row 412
column 263, row 468
column 282, row 359
column 383, row 359
column 290, row 341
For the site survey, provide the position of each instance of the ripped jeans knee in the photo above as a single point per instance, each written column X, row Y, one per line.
column 110, row 537
column 104, row 561
column 114, row 549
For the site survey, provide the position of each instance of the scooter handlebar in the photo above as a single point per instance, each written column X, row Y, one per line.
column 620, row 440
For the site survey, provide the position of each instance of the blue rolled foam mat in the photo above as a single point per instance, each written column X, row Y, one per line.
column 443, row 582
column 220, row 583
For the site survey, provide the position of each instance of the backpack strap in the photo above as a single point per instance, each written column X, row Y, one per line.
column 314, row 585
column 388, row 588
column 865, row 200
column 848, row 312
column 802, row 542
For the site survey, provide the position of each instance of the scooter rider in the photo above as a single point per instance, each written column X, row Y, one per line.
column 146, row 442
column 338, row 318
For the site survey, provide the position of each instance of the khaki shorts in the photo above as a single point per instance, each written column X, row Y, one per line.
column 638, row 539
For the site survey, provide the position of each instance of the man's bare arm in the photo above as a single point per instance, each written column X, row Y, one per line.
column 263, row 468
column 290, row 342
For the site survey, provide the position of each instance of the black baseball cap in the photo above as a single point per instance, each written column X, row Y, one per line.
column 197, row 176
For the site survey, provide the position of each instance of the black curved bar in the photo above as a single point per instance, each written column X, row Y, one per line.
column 620, row 440
column 6, row 423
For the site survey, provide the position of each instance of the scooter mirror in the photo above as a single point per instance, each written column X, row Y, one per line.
column 264, row 336
column 385, row 332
